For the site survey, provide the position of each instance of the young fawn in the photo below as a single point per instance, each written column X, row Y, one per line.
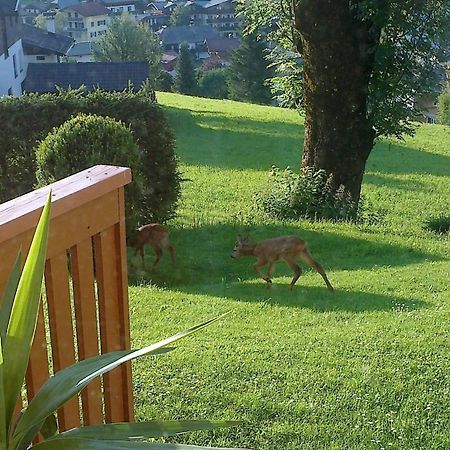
column 270, row 251
column 157, row 236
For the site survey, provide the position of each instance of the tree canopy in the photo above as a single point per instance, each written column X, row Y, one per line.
column 408, row 39
column 127, row 40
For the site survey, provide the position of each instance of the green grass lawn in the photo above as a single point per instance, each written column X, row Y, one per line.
column 366, row 367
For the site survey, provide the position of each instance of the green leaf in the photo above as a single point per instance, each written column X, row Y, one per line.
column 144, row 430
column 58, row 389
column 24, row 312
column 8, row 297
column 3, row 432
column 71, row 380
column 92, row 444
column 50, row 428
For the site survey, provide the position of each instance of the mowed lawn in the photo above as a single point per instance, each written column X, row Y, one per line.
column 366, row 367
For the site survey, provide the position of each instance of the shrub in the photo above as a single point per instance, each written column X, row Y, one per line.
column 87, row 140
column 213, row 83
column 439, row 224
column 28, row 119
column 307, row 195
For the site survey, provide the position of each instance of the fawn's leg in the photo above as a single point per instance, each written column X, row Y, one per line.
column 270, row 270
column 307, row 258
column 172, row 255
column 297, row 272
column 259, row 264
column 141, row 251
column 158, row 254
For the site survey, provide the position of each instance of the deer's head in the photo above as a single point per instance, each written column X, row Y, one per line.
column 240, row 246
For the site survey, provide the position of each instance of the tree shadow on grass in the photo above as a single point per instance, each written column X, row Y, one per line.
column 205, row 266
column 306, row 297
column 234, row 142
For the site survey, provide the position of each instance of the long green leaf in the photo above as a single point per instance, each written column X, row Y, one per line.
column 24, row 312
column 143, row 430
column 70, row 381
column 92, row 444
column 59, row 388
column 8, row 297
column 3, row 431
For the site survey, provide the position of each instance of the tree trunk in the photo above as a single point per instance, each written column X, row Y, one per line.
column 338, row 58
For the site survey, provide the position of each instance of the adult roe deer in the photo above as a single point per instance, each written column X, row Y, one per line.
column 157, row 236
column 270, row 251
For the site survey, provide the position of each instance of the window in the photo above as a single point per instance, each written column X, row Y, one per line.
column 130, row 8
column 92, row 24
column 69, row 14
column 15, row 66
column 94, row 34
column 40, row 57
column 10, row 91
column 76, row 14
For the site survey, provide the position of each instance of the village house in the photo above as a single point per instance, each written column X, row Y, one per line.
column 87, row 21
column 12, row 65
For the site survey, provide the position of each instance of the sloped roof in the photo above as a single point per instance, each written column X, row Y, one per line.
column 89, row 9
column 186, row 33
column 8, row 7
column 82, row 49
column 222, row 45
column 33, row 37
column 110, row 76
column 212, row 3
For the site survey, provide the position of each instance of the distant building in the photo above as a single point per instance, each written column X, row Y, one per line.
column 194, row 36
column 44, row 46
column 30, row 11
column 109, row 76
column 217, row 14
column 12, row 65
column 86, row 21
column 82, row 52
column 121, row 6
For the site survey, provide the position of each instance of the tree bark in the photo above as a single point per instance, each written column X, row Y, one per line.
column 338, row 58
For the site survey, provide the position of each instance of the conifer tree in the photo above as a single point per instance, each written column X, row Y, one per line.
column 248, row 71
column 185, row 81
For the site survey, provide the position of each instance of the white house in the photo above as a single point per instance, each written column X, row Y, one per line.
column 12, row 67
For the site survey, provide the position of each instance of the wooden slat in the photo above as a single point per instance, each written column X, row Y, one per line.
column 37, row 372
column 121, row 261
column 60, row 320
column 110, row 308
column 22, row 213
column 65, row 231
column 86, row 322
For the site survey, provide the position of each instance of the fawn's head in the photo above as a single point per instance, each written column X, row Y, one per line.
column 240, row 246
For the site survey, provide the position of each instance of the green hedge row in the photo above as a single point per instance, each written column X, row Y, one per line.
column 27, row 120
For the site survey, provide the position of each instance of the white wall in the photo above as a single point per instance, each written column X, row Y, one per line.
column 41, row 59
column 10, row 81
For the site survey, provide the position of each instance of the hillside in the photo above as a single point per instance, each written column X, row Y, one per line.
column 365, row 367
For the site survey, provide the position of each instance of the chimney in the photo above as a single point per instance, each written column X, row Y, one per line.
column 50, row 18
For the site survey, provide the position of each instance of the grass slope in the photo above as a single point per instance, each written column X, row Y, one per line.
column 364, row 368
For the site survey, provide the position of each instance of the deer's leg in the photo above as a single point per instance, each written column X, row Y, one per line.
column 297, row 272
column 307, row 258
column 172, row 255
column 141, row 251
column 258, row 266
column 270, row 270
column 158, row 254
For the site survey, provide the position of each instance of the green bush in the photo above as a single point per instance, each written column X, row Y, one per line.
column 213, row 83
column 27, row 120
column 87, row 140
column 309, row 195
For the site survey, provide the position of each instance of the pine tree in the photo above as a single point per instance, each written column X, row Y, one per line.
column 185, row 80
column 248, row 71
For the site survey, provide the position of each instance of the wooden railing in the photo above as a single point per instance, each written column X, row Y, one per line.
column 84, row 311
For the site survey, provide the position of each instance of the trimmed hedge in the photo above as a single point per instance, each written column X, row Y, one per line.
column 27, row 120
column 87, row 140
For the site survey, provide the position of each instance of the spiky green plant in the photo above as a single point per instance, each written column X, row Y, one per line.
column 18, row 317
